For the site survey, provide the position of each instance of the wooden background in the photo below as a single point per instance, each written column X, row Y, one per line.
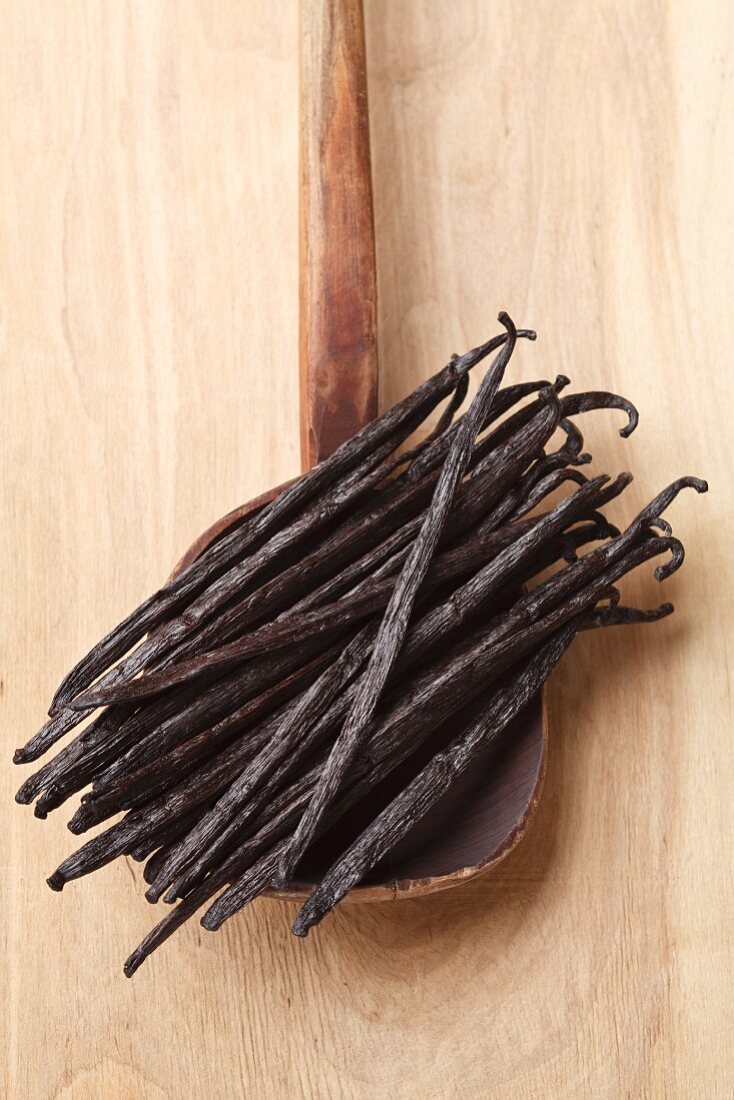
column 571, row 161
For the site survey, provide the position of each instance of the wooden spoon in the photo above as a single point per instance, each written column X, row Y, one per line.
column 481, row 820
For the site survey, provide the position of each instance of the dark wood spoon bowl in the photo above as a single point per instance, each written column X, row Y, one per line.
column 480, row 820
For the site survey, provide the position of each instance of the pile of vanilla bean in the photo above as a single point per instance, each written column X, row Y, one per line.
column 320, row 642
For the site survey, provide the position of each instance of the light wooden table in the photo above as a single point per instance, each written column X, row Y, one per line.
column 571, row 162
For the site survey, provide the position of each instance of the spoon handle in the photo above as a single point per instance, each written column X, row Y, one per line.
column 337, row 285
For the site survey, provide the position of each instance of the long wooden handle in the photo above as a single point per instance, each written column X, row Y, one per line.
column 338, row 285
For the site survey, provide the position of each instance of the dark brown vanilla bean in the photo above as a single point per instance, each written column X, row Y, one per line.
column 544, row 486
column 199, row 897
column 575, row 403
column 486, row 448
column 447, row 416
column 629, row 616
column 575, row 440
column 153, row 863
column 49, row 773
column 49, row 733
column 156, row 846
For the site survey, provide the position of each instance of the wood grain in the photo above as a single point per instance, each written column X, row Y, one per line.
column 338, row 279
column 568, row 161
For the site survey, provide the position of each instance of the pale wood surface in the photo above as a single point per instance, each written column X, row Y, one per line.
column 568, row 161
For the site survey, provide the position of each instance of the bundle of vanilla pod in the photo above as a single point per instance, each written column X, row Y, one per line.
column 259, row 696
